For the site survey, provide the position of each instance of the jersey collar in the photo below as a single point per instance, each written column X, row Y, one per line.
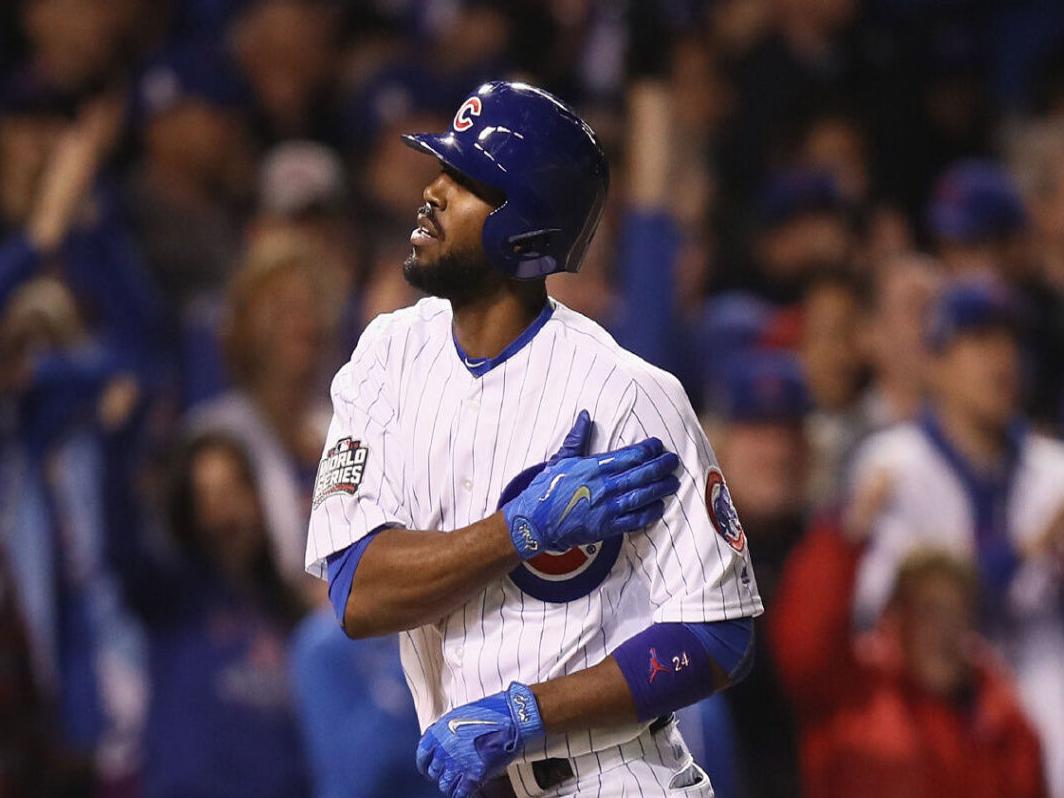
column 478, row 367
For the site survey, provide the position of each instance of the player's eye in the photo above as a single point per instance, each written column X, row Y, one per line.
column 490, row 195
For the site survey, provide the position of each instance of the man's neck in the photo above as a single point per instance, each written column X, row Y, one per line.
column 901, row 395
column 485, row 326
column 982, row 445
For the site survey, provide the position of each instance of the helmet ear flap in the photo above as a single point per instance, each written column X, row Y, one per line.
column 525, row 255
column 535, row 243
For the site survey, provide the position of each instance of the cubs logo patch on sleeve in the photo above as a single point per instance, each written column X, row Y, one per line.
column 722, row 511
column 340, row 470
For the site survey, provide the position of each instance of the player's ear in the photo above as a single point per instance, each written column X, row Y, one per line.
column 578, row 440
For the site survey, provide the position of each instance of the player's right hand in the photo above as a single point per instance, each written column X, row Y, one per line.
column 581, row 500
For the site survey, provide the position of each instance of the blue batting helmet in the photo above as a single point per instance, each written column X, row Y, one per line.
column 529, row 145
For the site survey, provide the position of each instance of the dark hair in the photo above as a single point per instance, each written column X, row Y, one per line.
column 181, row 513
column 934, row 563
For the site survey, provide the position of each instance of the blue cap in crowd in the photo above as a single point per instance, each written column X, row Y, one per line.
column 762, row 387
column 735, row 322
column 193, row 71
column 976, row 200
column 797, row 192
column 968, row 305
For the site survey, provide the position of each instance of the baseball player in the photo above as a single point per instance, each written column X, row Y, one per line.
column 535, row 511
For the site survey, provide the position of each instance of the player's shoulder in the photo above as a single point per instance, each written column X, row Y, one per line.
column 1044, row 453
column 383, row 343
column 413, row 324
column 425, row 316
column 582, row 331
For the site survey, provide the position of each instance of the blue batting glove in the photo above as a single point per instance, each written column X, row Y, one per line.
column 576, row 444
column 474, row 742
column 577, row 441
column 580, row 500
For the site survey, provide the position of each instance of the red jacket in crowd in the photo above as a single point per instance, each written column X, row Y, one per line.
column 866, row 731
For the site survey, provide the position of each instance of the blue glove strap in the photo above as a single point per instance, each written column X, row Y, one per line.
column 525, row 711
column 525, row 538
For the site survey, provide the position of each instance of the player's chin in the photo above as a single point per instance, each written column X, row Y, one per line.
column 419, row 261
column 419, row 268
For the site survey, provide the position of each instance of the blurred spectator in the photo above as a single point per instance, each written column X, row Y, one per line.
column 804, row 227
column 920, row 708
column 834, row 363
column 977, row 219
column 86, row 656
column 981, row 225
column 969, row 476
column 835, row 142
column 28, row 137
column 352, row 700
column 800, row 58
column 190, row 189
column 1038, row 162
column 302, row 188
column 762, row 443
column 75, row 46
column 25, row 731
column 897, row 311
column 75, row 228
column 217, row 617
column 288, row 51
column 648, row 322
column 282, row 315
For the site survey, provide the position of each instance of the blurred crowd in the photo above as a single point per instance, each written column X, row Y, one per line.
column 840, row 223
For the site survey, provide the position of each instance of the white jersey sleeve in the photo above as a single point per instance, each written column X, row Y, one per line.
column 696, row 560
column 357, row 488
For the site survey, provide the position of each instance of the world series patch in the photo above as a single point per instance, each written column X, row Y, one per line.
column 340, row 470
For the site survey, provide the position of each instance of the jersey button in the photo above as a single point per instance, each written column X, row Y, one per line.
column 458, row 652
column 467, row 484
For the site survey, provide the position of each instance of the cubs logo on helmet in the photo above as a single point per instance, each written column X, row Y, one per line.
column 471, row 107
column 721, row 510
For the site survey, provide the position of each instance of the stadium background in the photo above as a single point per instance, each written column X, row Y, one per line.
column 202, row 202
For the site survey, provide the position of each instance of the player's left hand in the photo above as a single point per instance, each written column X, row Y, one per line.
column 576, row 441
column 476, row 741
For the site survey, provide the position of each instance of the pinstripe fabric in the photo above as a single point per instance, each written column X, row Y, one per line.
column 442, row 445
column 644, row 766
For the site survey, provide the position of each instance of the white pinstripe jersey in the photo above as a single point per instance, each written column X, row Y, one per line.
column 438, row 444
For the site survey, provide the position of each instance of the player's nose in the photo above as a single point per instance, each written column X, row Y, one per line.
column 435, row 193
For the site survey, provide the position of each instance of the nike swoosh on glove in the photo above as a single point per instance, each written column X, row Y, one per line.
column 474, row 742
column 581, row 500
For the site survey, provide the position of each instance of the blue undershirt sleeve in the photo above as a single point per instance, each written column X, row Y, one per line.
column 730, row 644
column 341, row 568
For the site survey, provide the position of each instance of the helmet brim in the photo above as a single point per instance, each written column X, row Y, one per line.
column 472, row 162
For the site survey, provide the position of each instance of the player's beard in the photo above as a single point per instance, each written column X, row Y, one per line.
column 457, row 276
